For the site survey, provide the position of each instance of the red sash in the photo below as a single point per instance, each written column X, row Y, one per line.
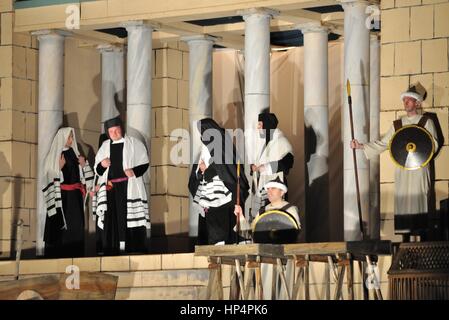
column 112, row 181
column 75, row 186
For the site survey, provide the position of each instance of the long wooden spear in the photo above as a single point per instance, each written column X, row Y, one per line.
column 238, row 202
column 359, row 206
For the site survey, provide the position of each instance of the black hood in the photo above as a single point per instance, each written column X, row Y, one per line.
column 270, row 122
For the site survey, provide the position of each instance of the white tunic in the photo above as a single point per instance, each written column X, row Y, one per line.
column 411, row 186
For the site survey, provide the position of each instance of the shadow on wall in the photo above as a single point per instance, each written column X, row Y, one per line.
column 234, row 112
column 434, row 225
column 335, row 173
column 317, row 202
column 4, row 185
column 287, row 102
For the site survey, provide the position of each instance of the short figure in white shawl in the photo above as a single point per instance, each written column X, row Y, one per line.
column 275, row 159
column 121, row 204
column 412, row 187
column 67, row 174
column 276, row 190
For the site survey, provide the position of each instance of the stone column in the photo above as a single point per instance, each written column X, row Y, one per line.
column 200, row 100
column 257, row 93
column 316, row 120
column 257, row 73
column 139, row 59
column 112, row 82
column 357, row 70
column 51, row 109
column 374, row 171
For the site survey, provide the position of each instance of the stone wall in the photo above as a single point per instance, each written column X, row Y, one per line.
column 414, row 48
column 18, row 131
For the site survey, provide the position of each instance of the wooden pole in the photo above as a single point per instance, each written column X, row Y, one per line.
column 359, row 206
column 18, row 248
column 238, row 203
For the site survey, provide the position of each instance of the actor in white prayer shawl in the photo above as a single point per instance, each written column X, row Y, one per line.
column 67, row 175
column 121, row 202
column 275, row 159
column 411, row 186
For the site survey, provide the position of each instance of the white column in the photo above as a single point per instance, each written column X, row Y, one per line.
column 138, row 117
column 257, row 92
column 374, row 172
column 50, row 104
column 357, row 70
column 257, row 72
column 200, row 100
column 112, row 82
column 316, row 121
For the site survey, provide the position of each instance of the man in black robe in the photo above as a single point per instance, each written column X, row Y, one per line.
column 123, row 218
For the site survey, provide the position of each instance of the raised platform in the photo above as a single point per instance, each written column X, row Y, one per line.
column 162, row 276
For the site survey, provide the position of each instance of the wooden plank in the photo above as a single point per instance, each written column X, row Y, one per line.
column 330, row 248
column 255, row 249
column 47, row 287
column 92, row 286
column 371, row 247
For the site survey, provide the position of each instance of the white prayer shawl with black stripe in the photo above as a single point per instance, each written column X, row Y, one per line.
column 134, row 154
column 53, row 174
column 275, row 150
column 212, row 194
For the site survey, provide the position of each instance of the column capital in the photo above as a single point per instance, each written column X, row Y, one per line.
column 347, row 3
column 109, row 48
column 135, row 24
column 258, row 11
column 200, row 37
column 50, row 34
column 312, row 27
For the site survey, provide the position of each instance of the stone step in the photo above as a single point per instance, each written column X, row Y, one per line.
column 162, row 293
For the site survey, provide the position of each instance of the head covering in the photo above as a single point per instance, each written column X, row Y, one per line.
column 416, row 91
column 51, row 165
column 114, row 122
column 276, row 183
column 269, row 120
column 211, row 130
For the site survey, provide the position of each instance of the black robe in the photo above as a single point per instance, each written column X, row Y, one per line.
column 115, row 222
column 218, row 223
column 70, row 242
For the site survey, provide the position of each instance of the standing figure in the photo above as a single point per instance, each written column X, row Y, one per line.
column 121, row 204
column 412, row 187
column 213, row 185
column 275, row 159
column 67, row 174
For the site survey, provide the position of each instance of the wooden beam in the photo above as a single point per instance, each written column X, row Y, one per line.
column 165, row 36
column 94, row 38
column 230, row 40
column 333, row 17
column 182, row 28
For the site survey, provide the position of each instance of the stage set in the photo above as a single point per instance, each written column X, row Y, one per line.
column 325, row 86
